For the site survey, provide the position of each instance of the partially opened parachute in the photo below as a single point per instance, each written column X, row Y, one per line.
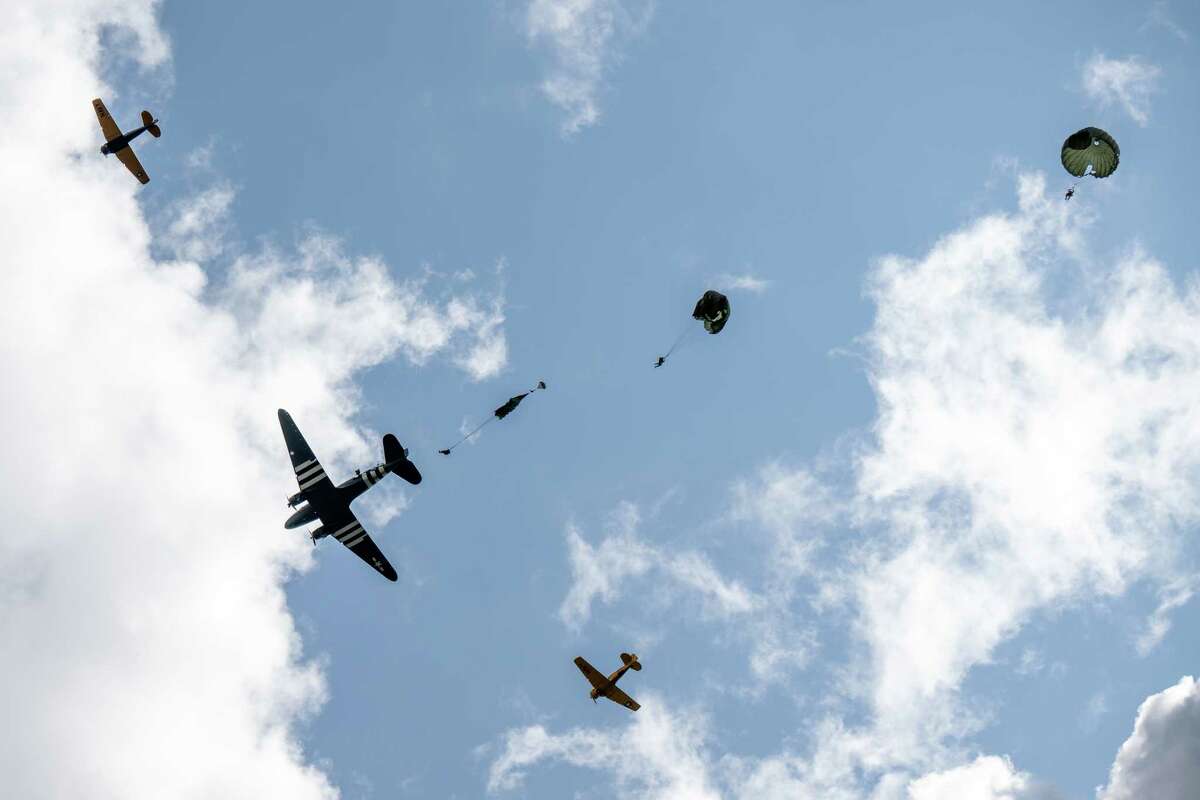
column 713, row 309
column 503, row 411
column 1090, row 147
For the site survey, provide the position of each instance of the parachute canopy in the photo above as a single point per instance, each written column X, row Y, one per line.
column 713, row 308
column 506, row 409
column 1094, row 147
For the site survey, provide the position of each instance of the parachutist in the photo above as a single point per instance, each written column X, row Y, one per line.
column 1070, row 193
column 661, row 360
column 444, row 452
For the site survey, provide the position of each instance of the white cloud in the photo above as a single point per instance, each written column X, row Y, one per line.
column 1172, row 596
column 199, row 224
column 1161, row 758
column 1023, row 457
column 598, row 572
column 1129, row 82
column 580, row 35
column 658, row 755
column 1160, row 17
column 142, row 561
column 985, row 778
column 744, row 282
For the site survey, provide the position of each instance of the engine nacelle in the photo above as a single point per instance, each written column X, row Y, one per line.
column 302, row 517
column 295, row 499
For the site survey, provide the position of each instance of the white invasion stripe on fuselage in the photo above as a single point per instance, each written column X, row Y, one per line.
column 350, row 534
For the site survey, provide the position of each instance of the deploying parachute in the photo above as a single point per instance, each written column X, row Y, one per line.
column 713, row 309
column 500, row 413
column 1090, row 147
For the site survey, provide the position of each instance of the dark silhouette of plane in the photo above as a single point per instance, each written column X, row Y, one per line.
column 607, row 687
column 331, row 504
column 117, row 143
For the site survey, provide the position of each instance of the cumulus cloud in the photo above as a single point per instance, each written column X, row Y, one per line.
column 659, row 755
column 599, row 571
column 198, row 224
column 580, row 36
column 985, row 778
column 1128, row 82
column 1161, row 758
column 142, row 562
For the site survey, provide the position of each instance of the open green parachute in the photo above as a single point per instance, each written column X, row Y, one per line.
column 1090, row 147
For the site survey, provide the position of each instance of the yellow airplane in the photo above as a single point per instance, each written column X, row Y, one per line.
column 607, row 687
column 117, row 143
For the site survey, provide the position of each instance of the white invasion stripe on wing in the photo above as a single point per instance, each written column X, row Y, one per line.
column 356, row 541
column 304, row 465
column 303, row 476
column 320, row 477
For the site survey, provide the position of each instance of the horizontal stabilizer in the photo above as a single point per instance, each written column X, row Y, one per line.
column 150, row 122
column 631, row 660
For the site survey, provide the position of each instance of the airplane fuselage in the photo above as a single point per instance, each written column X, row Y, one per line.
column 612, row 681
column 122, row 141
column 347, row 493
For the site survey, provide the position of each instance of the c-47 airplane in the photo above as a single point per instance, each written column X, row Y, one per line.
column 117, row 143
column 331, row 504
column 607, row 687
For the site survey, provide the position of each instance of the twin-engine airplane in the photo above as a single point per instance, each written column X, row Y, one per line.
column 607, row 687
column 331, row 504
column 117, row 143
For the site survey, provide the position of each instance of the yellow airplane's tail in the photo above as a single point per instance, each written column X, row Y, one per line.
column 151, row 124
column 631, row 660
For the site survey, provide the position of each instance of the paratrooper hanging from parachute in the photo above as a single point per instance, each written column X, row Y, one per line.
column 712, row 309
column 1089, row 148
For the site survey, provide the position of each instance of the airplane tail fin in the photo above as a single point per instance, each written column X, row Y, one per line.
column 631, row 660
column 392, row 449
column 395, row 455
column 151, row 124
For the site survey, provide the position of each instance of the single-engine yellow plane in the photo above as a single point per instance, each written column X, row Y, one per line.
column 117, row 143
column 607, row 687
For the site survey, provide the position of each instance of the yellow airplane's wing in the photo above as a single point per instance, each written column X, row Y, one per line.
column 620, row 698
column 130, row 160
column 111, row 131
column 593, row 675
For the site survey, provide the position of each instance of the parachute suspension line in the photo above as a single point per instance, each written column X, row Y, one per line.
column 495, row 416
column 477, row 429
column 688, row 327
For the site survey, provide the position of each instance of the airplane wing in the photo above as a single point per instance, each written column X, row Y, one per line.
column 347, row 530
column 309, row 472
column 111, row 131
column 620, row 698
column 130, row 160
column 594, row 676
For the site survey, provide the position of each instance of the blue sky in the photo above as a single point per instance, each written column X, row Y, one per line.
column 918, row 524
